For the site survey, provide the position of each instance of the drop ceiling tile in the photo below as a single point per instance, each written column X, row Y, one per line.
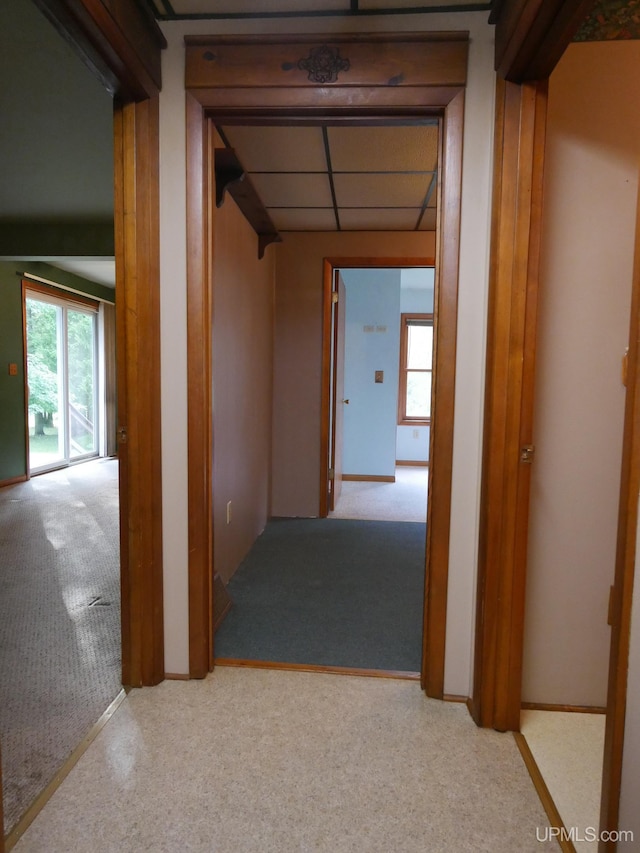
column 428, row 222
column 303, row 219
column 301, row 190
column 379, row 220
column 380, row 190
column 383, row 149
column 228, row 7
column 278, row 149
column 409, row 4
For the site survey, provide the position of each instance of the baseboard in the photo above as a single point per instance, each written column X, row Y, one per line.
column 176, row 676
column 331, row 670
column 555, row 821
column 368, row 478
column 453, row 697
column 411, row 464
column 573, row 709
column 13, row 480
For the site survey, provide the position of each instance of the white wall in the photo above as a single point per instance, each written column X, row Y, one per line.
column 591, row 185
column 630, row 788
column 474, row 247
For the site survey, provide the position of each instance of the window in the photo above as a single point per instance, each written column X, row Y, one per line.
column 416, row 354
column 61, row 339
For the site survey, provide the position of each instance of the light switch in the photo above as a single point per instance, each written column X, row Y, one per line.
column 379, row 375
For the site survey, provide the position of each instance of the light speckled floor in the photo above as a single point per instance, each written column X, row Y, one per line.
column 404, row 500
column 268, row 761
column 568, row 749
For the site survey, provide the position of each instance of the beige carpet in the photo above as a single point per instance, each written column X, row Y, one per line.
column 568, row 749
column 277, row 762
column 404, row 500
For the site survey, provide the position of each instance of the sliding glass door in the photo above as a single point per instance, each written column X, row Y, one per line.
column 61, row 380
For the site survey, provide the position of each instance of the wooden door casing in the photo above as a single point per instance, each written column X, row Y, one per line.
column 338, row 403
column 253, row 80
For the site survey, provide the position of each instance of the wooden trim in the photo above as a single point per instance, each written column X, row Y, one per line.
column 504, row 510
column 571, row 709
column 543, row 792
column 626, row 558
column 119, row 42
column 411, row 464
column 329, row 265
column 369, row 478
column 25, row 390
column 532, row 36
column 420, row 60
column 137, row 241
column 309, row 667
column 453, row 697
column 62, row 294
column 405, row 322
column 177, row 676
column 325, row 390
column 200, row 207
column 443, row 398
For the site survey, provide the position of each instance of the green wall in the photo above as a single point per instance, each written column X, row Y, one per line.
column 13, row 459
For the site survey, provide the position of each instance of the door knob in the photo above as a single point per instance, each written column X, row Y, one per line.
column 346, row 402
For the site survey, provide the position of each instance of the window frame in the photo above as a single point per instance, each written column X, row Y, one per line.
column 405, row 323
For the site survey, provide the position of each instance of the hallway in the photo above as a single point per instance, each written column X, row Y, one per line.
column 256, row 761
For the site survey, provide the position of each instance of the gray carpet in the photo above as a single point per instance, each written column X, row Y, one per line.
column 329, row 592
column 59, row 621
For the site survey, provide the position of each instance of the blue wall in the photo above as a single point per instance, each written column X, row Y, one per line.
column 372, row 342
column 375, row 298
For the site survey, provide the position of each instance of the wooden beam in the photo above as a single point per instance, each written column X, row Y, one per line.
column 625, row 571
column 119, row 41
column 137, row 241
column 517, row 194
column 532, row 35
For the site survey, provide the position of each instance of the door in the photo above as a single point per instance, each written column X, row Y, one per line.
column 61, row 341
column 337, row 402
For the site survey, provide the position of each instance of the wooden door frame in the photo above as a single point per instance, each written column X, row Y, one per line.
column 440, row 443
column 508, row 412
column 242, row 78
column 331, row 417
column 121, row 44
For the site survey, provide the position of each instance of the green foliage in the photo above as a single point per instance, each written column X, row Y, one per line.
column 42, row 357
column 43, row 385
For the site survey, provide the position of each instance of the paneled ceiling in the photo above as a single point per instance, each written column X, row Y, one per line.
column 169, row 10
column 342, row 178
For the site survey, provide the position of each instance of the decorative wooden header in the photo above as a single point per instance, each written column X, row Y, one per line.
column 373, row 65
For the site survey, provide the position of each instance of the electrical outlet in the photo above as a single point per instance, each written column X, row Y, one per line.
column 228, row 512
column 416, row 433
column 13, row 369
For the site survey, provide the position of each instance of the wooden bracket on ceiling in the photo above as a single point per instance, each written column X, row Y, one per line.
column 232, row 178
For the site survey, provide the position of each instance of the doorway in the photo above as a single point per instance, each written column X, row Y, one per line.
column 61, row 340
column 380, row 402
column 433, row 86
